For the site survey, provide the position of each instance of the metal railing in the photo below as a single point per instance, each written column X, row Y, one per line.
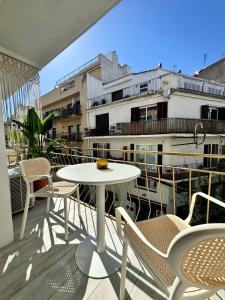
column 160, row 189
column 139, row 89
column 65, row 112
column 65, row 136
column 85, row 66
column 162, row 126
column 171, row 80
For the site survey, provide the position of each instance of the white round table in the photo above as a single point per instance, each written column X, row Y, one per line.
column 92, row 257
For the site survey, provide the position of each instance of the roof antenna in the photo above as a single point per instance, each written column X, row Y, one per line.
column 204, row 60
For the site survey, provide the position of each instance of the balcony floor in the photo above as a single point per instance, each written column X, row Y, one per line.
column 42, row 265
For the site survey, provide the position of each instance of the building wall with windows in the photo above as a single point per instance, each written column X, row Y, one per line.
column 68, row 100
column 167, row 118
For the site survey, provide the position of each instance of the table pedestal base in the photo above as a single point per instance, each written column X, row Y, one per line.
column 99, row 265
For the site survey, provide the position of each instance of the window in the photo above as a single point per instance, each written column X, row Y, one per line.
column 148, row 113
column 143, row 87
column 210, row 149
column 146, row 158
column 117, row 95
column 213, row 113
column 147, row 183
column 102, row 154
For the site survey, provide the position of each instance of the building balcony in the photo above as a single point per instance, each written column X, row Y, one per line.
column 68, row 137
column 61, row 113
column 169, row 82
column 43, row 263
column 162, row 126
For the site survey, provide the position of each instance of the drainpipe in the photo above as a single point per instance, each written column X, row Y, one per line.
column 6, row 224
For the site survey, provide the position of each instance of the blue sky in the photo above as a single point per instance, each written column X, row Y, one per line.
column 146, row 32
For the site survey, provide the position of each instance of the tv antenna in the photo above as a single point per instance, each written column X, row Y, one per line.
column 199, row 129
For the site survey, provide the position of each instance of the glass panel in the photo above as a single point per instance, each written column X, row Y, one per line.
column 152, row 113
column 143, row 114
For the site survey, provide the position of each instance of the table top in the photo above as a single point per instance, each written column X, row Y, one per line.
column 88, row 173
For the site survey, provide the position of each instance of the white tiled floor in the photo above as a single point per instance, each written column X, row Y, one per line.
column 42, row 266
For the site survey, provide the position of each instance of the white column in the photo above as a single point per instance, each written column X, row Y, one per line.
column 6, row 225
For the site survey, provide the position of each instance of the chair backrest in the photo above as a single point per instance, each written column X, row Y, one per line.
column 35, row 166
column 197, row 256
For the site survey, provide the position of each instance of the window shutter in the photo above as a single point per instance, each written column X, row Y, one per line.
column 95, row 152
column 204, row 112
column 131, row 154
column 159, row 158
column 135, row 114
column 223, row 149
column 125, row 157
column 108, row 152
column 162, row 109
column 221, row 113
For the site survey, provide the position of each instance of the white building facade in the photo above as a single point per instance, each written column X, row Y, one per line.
column 158, row 110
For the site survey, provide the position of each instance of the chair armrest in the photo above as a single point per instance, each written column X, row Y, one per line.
column 120, row 211
column 203, row 195
column 58, row 166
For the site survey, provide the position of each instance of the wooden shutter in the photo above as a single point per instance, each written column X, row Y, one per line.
column 125, row 157
column 159, row 158
column 135, row 114
column 108, row 147
column 95, row 152
column 162, row 110
column 221, row 113
column 131, row 154
column 204, row 112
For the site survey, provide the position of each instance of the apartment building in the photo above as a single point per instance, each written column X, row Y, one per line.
column 68, row 100
column 158, row 110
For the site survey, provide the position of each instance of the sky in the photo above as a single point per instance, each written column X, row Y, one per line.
column 176, row 33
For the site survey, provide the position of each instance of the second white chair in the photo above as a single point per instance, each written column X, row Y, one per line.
column 38, row 168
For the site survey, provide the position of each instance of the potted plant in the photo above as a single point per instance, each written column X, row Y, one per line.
column 34, row 129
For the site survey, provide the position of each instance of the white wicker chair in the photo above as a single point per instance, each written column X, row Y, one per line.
column 38, row 168
column 187, row 262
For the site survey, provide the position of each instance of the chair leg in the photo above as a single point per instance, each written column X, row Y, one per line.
column 78, row 200
column 48, row 205
column 66, row 218
column 123, row 271
column 177, row 290
column 24, row 220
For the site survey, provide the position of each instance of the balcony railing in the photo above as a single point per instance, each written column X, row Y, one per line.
column 143, row 88
column 160, row 189
column 85, row 66
column 65, row 112
column 168, row 81
column 163, row 126
column 65, row 136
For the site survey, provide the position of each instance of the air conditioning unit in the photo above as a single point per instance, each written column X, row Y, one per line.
column 17, row 189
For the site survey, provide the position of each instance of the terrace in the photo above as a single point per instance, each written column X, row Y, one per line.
column 172, row 81
column 44, row 259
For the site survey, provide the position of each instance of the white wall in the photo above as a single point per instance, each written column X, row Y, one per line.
column 121, row 111
column 6, row 225
column 94, row 87
column 183, row 105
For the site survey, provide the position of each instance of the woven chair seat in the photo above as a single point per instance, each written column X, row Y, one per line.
column 61, row 189
column 159, row 232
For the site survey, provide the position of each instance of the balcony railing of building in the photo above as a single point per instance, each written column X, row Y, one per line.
column 77, row 71
column 161, row 188
column 169, row 81
column 143, row 88
column 65, row 112
column 65, row 136
column 162, row 126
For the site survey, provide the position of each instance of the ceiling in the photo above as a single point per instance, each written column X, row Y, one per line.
column 35, row 31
